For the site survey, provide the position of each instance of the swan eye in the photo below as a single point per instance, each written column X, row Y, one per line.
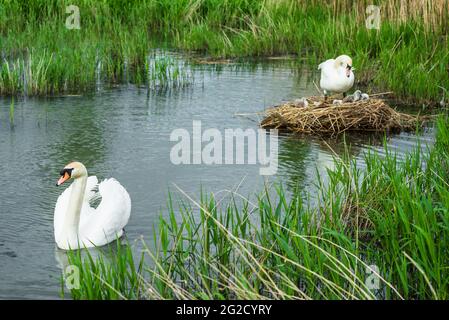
column 66, row 170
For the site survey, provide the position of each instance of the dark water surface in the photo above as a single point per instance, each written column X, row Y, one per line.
column 124, row 133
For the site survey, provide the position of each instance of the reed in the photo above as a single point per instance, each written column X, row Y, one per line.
column 115, row 269
column 380, row 233
column 407, row 54
column 165, row 71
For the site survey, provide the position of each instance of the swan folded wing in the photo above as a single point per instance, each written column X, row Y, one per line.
column 328, row 71
column 91, row 189
column 91, row 196
column 105, row 223
column 323, row 65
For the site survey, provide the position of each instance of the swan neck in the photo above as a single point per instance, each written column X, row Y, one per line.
column 72, row 218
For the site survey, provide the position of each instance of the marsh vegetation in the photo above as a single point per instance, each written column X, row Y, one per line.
column 407, row 54
column 387, row 221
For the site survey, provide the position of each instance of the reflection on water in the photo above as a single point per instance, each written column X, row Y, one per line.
column 301, row 156
column 124, row 133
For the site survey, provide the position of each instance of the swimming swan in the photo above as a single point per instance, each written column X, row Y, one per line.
column 79, row 225
column 336, row 75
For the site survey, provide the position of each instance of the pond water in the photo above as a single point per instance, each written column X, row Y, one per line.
column 124, row 133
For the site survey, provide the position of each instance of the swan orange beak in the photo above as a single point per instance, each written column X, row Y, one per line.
column 63, row 179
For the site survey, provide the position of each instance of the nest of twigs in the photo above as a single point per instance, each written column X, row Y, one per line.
column 323, row 117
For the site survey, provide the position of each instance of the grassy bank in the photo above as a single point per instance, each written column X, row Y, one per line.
column 407, row 54
column 377, row 233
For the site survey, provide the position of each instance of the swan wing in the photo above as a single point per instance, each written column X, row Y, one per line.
column 333, row 79
column 328, row 71
column 328, row 74
column 91, row 196
column 91, row 189
column 105, row 223
column 326, row 64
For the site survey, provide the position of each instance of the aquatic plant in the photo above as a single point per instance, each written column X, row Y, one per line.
column 407, row 54
column 166, row 71
column 377, row 233
column 114, row 269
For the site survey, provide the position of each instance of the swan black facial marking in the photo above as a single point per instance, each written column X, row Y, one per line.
column 66, row 170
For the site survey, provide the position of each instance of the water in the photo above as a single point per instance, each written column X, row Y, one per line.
column 124, row 133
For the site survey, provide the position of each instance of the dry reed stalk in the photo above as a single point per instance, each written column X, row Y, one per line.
column 433, row 13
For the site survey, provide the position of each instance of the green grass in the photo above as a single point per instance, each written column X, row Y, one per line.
column 40, row 56
column 393, row 215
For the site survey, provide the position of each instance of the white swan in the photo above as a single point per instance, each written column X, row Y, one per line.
column 79, row 225
column 336, row 75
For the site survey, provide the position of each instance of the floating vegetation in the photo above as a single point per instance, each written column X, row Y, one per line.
column 321, row 116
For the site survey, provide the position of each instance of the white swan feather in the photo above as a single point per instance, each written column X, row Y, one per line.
column 97, row 226
column 336, row 75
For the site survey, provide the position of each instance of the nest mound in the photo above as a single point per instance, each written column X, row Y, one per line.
column 322, row 116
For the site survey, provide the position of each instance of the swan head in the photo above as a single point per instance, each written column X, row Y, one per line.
column 345, row 62
column 73, row 170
